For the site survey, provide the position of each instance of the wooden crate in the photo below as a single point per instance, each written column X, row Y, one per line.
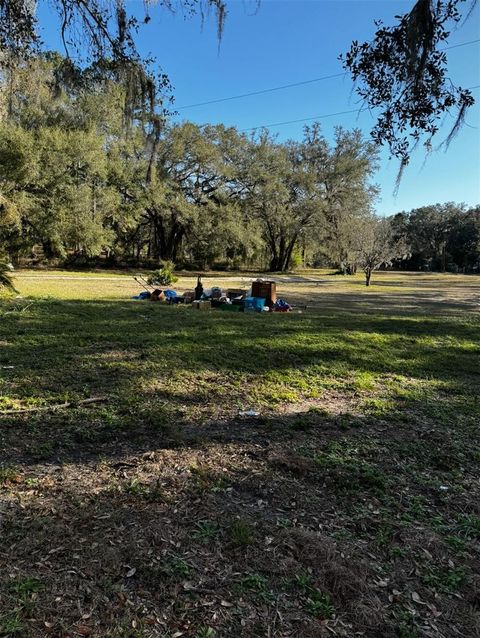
column 265, row 289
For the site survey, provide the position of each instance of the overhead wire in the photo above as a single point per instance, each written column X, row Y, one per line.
column 294, row 84
column 318, row 117
column 274, row 88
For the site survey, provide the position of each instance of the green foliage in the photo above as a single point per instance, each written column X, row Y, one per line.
column 176, row 567
column 348, row 471
column 8, row 473
column 441, row 237
column 469, row 526
column 241, row 533
column 24, row 589
column 11, row 624
column 315, row 602
column 403, row 73
column 320, row 605
column 81, row 186
column 6, row 277
column 255, row 581
column 445, row 580
column 205, row 531
column 164, row 275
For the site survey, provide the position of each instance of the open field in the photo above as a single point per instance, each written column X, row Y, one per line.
column 404, row 292
column 349, row 506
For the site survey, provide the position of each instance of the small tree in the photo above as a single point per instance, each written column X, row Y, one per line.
column 164, row 275
column 378, row 246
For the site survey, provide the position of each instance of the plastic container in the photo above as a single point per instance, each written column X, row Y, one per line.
column 254, row 304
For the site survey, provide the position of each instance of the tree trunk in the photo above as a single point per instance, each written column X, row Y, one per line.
column 281, row 255
column 274, row 263
column 48, row 249
column 368, row 275
column 444, row 257
column 289, row 252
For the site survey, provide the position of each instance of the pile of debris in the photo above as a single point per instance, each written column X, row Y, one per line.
column 262, row 297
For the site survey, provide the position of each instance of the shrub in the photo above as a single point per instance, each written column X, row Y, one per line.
column 164, row 275
column 6, row 277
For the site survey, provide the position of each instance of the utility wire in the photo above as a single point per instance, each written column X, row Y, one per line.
column 305, row 119
column 319, row 117
column 462, row 44
column 274, row 88
column 288, row 86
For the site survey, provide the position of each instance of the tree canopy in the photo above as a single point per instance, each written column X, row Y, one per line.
column 402, row 72
column 80, row 184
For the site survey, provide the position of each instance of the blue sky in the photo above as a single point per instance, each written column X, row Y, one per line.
column 288, row 41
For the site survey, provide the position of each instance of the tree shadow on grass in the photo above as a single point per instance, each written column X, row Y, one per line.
column 167, row 367
column 240, row 525
column 163, row 511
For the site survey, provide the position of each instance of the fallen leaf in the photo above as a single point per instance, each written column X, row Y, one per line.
column 225, row 603
column 131, row 572
column 416, row 598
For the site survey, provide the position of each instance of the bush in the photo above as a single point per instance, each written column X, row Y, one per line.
column 5, row 276
column 164, row 275
column 296, row 260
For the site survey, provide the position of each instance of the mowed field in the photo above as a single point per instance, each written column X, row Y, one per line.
column 349, row 504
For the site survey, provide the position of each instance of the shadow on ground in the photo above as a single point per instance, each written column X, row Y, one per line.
column 284, row 526
column 162, row 512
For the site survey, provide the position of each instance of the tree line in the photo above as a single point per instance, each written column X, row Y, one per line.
column 89, row 175
column 441, row 237
column 402, row 71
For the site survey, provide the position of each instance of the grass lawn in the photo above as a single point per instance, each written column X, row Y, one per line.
column 349, row 506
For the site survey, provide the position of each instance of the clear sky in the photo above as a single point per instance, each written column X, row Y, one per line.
column 288, row 41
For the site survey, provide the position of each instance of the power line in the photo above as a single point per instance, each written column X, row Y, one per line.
column 274, row 88
column 305, row 119
column 462, row 44
column 294, row 84
column 319, row 117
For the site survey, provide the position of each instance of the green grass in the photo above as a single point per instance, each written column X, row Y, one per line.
column 241, row 533
column 361, row 468
column 158, row 362
column 446, row 580
column 469, row 525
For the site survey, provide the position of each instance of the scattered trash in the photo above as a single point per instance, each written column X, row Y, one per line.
column 444, row 487
column 169, row 294
column 265, row 289
column 281, row 306
column 249, row 413
column 143, row 295
column 198, row 288
column 261, row 298
column 202, row 304
column 254, row 304
column 157, row 295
